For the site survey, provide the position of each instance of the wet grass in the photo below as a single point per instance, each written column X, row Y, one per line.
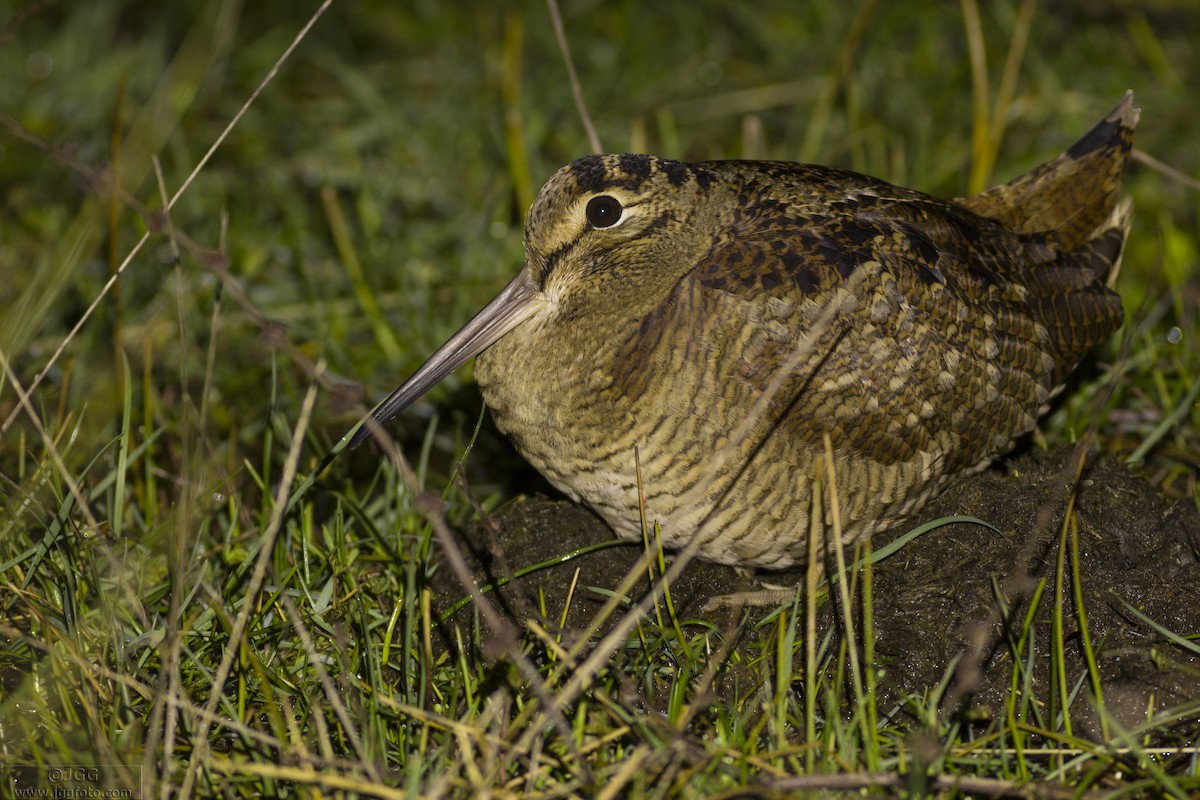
column 183, row 600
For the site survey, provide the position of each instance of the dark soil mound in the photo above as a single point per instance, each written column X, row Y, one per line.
column 937, row 598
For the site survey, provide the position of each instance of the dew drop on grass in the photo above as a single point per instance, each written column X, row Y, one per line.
column 1174, row 335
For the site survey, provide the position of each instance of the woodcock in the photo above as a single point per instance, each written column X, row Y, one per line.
column 712, row 322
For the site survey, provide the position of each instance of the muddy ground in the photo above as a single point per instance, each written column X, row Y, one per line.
column 936, row 599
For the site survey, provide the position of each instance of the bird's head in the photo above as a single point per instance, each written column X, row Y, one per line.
column 606, row 235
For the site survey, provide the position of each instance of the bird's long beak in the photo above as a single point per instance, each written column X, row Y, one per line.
column 515, row 304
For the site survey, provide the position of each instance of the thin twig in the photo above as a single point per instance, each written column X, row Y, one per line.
column 24, row 402
column 132, row 202
column 331, row 691
column 506, row 636
column 270, row 76
column 307, row 776
column 1166, row 169
column 249, row 605
column 576, row 87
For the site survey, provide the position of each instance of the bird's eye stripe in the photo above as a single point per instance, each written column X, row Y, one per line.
column 555, row 257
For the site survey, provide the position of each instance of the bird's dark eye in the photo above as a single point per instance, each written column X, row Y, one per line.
column 604, row 211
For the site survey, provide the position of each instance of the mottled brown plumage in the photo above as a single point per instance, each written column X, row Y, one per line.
column 719, row 319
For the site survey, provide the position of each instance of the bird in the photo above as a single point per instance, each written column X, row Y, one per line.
column 689, row 344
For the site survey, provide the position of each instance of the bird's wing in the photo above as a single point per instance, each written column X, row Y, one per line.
column 893, row 321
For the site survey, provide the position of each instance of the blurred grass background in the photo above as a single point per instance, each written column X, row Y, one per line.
column 371, row 199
